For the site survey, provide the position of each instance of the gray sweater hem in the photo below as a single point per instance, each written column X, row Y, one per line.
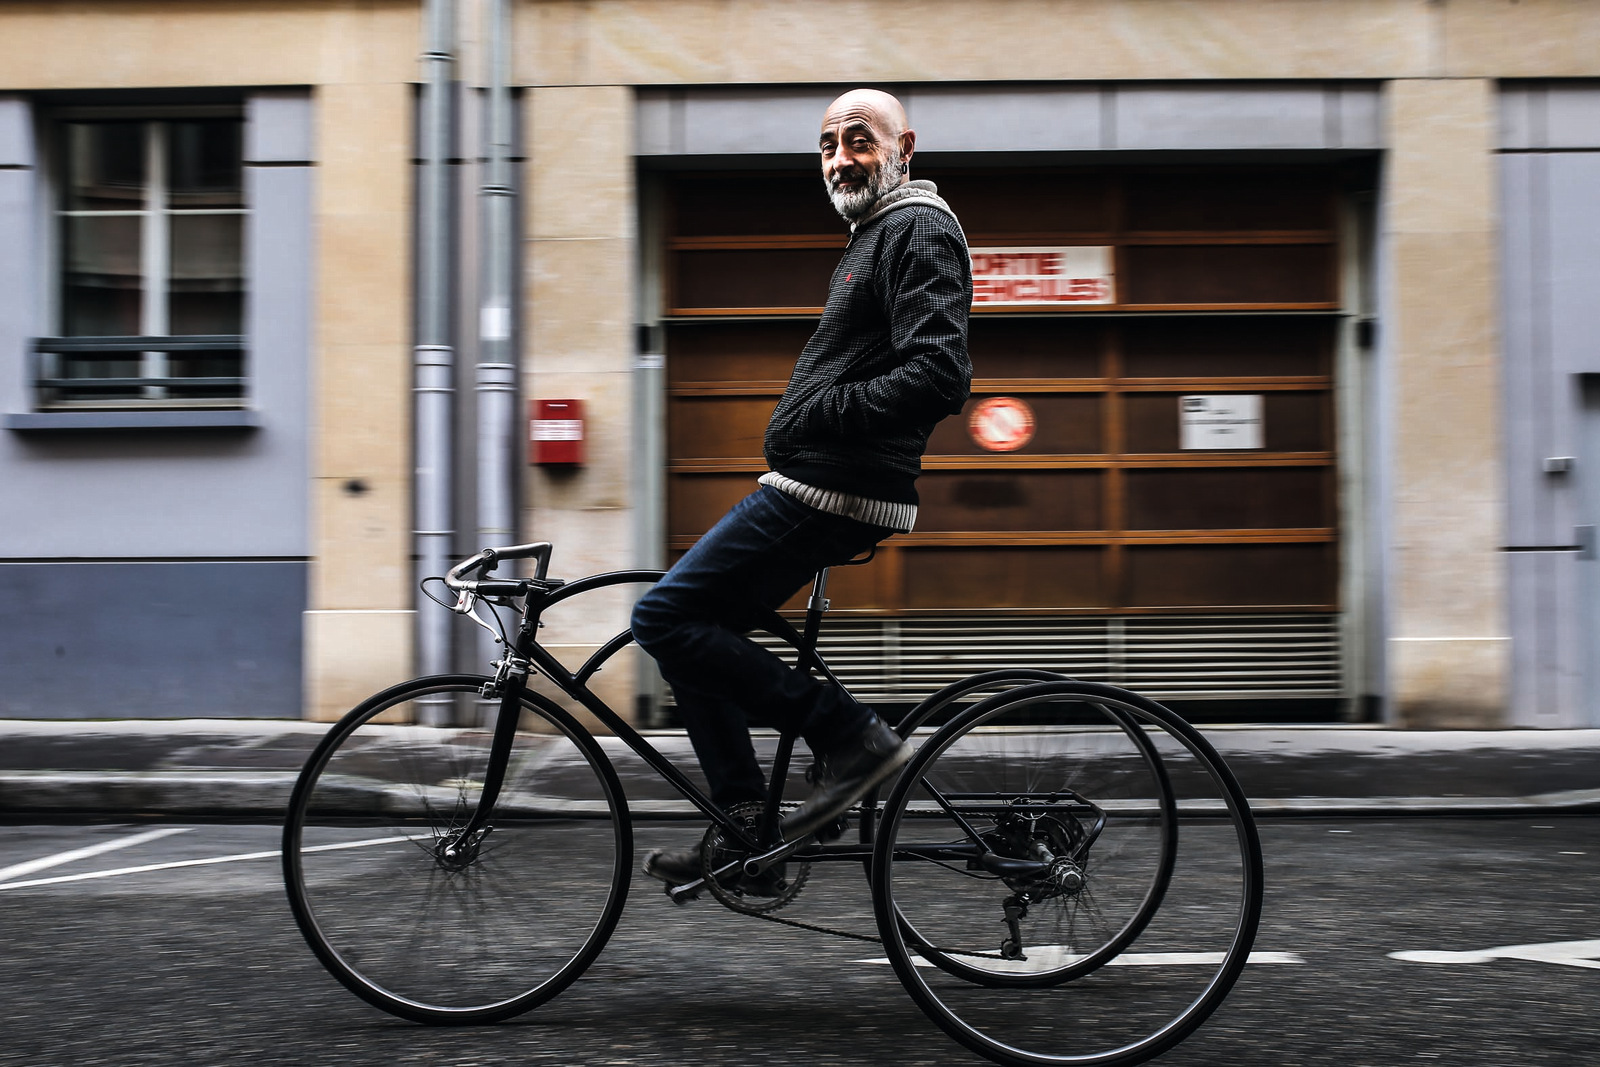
column 897, row 517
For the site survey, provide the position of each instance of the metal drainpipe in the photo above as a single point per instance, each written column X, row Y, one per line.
column 497, row 367
column 434, row 355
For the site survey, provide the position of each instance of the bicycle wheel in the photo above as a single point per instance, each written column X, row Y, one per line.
column 488, row 934
column 1030, row 888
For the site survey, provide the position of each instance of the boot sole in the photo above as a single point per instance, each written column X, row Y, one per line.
column 793, row 831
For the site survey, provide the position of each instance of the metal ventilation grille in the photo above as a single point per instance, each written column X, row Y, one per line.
column 1164, row 657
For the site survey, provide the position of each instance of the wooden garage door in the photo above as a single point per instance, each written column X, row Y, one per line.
column 1225, row 287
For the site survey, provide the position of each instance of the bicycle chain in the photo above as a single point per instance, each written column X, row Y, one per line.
column 814, row 928
column 819, row 929
column 851, row 935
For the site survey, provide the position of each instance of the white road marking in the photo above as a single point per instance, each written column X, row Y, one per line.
column 1566, row 953
column 274, row 854
column 17, row 870
column 1048, row 956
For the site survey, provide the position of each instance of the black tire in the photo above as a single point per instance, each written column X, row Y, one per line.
column 1031, row 773
column 468, row 941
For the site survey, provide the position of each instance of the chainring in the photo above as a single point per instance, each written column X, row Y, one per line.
column 716, row 851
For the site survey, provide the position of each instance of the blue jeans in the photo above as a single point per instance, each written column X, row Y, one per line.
column 694, row 623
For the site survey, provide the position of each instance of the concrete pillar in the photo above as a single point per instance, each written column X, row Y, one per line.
column 579, row 277
column 358, row 632
column 1449, row 651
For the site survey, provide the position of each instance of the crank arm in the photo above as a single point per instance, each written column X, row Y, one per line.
column 690, row 890
column 757, row 865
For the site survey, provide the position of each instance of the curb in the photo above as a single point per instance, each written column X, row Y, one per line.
column 147, row 794
column 265, row 795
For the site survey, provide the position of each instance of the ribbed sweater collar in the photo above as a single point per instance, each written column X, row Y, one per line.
column 912, row 192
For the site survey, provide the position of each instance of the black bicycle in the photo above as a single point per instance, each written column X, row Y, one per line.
column 1025, row 867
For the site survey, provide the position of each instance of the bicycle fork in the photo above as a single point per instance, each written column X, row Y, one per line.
column 460, row 846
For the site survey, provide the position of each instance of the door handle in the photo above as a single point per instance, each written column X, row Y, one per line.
column 1584, row 536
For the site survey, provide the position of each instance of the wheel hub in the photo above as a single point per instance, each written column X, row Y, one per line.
column 458, row 849
column 1043, row 838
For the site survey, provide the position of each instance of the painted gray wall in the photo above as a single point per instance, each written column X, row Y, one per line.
column 150, row 640
column 1268, row 116
column 143, row 493
column 90, row 624
column 1550, row 248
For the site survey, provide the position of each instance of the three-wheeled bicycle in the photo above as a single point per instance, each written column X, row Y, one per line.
column 1064, row 873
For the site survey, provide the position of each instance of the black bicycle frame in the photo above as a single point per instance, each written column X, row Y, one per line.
column 574, row 683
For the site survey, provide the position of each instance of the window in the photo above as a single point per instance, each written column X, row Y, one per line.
column 149, row 222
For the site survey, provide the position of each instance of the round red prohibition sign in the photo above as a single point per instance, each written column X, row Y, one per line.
column 1001, row 423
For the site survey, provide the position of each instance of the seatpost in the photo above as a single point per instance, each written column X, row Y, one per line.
column 815, row 607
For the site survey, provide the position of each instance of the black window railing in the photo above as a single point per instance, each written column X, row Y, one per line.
column 194, row 370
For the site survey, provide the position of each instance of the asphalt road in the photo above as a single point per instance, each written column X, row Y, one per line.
column 199, row 962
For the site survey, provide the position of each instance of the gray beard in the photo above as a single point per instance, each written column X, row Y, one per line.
column 858, row 203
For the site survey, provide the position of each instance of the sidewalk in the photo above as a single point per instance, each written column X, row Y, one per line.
column 244, row 769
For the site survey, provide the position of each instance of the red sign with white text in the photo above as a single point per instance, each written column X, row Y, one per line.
column 555, row 432
column 1069, row 274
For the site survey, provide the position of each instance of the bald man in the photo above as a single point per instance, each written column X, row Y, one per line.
column 844, row 448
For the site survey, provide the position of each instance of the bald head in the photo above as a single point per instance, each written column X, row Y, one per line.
column 873, row 105
column 866, row 148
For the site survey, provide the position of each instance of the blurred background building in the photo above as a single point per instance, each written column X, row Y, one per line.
column 1285, row 401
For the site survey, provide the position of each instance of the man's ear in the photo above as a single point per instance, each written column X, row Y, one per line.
column 908, row 145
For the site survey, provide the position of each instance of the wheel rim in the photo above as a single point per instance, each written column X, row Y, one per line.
column 1124, row 966
column 423, row 921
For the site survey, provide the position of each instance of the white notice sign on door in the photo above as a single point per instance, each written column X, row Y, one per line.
column 1226, row 420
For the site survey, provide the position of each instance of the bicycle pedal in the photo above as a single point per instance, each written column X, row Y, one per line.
column 681, row 896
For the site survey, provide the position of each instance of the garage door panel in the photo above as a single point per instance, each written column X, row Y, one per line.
column 1192, row 576
column 1035, row 348
column 1190, row 348
column 720, row 352
column 1013, row 576
column 1229, row 499
column 717, row 427
column 752, row 279
column 1228, row 274
column 1011, row 501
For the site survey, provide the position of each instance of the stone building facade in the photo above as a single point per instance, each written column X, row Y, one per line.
column 245, row 547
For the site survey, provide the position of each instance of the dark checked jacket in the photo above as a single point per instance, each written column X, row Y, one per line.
column 888, row 361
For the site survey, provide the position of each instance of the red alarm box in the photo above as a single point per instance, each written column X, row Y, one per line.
column 555, row 432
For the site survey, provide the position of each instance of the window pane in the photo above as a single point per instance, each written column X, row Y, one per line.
column 205, row 288
column 203, row 163
column 105, row 166
column 102, row 288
